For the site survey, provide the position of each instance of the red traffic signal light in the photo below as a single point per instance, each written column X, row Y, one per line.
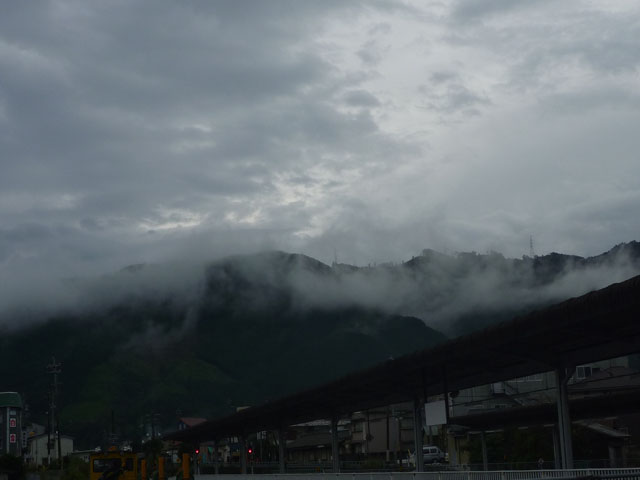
column 250, row 451
column 197, row 451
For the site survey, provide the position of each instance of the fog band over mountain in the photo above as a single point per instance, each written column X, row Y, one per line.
column 452, row 293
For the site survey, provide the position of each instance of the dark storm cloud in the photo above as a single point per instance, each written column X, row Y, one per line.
column 442, row 77
column 579, row 103
column 369, row 53
column 470, row 10
column 95, row 116
column 134, row 132
column 361, row 98
column 454, row 98
column 553, row 40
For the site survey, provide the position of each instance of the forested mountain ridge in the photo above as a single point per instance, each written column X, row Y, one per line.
column 154, row 341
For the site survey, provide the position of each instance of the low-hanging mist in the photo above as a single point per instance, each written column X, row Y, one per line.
column 249, row 328
column 452, row 293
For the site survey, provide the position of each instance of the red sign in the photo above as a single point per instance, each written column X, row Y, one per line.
column 12, row 422
column 12, row 438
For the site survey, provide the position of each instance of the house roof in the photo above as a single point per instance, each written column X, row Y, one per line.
column 192, row 421
column 600, row 325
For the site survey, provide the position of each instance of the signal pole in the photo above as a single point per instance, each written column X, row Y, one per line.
column 54, row 369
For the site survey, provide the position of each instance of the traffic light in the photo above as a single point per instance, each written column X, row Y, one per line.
column 197, row 450
column 250, row 451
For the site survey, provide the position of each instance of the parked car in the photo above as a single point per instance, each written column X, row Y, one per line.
column 432, row 454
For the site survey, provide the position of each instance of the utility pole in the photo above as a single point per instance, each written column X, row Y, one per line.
column 49, row 429
column 54, row 369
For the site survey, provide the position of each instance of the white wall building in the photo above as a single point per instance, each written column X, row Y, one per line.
column 38, row 454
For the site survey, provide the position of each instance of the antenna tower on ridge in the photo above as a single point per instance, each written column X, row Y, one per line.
column 532, row 254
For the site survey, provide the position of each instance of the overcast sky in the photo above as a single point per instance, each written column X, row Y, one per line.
column 144, row 131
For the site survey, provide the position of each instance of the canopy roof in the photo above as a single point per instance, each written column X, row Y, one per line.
column 585, row 408
column 596, row 326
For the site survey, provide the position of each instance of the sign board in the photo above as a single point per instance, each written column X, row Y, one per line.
column 12, row 422
column 12, row 438
column 435, row 413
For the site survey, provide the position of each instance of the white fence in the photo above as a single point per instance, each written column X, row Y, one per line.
column 622, row 473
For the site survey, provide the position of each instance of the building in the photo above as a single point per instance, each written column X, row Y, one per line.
column 188, row 422
column 532, row 393
column 39, row 454
column 11, row 423
column 528, row 391
column 310, row 442
column 30, row 430
column 384, row 433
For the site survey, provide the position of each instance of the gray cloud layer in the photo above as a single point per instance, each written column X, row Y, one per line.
column 149, row 131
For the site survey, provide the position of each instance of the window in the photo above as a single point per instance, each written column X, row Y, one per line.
column 530, row 378
column 103, row 464
column 583, row 371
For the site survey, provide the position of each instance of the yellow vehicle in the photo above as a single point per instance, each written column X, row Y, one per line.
column 113, row 465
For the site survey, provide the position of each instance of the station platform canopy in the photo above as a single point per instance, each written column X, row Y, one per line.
column 599, row 325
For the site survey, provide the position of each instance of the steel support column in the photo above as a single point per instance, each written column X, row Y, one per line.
column 243, row 455
column 613, row 456
column 216, row 464
column 557, row 461
column 335, row 448
column 485, row 459
column 282, row 449
column 564, row 419
column 418, row 407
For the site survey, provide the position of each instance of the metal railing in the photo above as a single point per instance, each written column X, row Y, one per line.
column 577, row 474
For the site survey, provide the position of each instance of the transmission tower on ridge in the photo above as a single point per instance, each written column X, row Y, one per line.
column 532, row 254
